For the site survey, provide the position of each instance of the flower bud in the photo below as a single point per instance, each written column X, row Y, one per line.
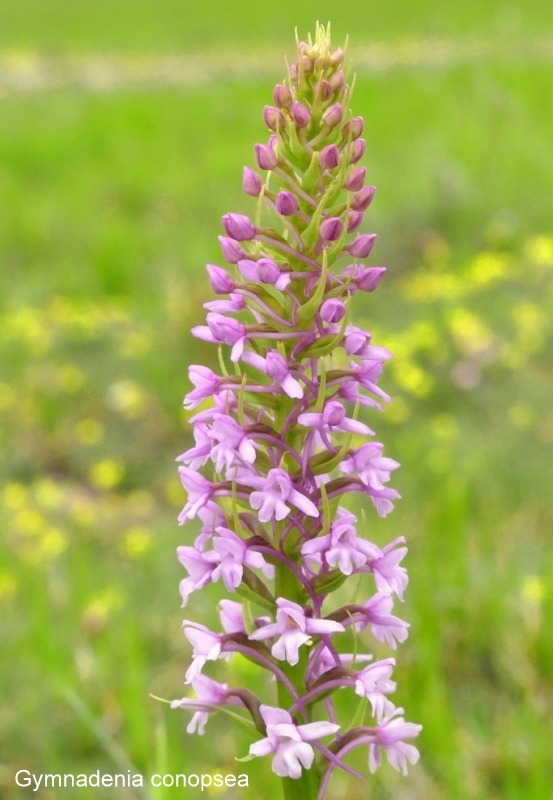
column 333, row 115
column 364, row 278
column 357, row 151
column 355, row 180
column 362, row 246
column 251, row 182
column 282, row 96
column 330, row 157
column 337, row 57
column 332, row 310
column 220, row 280
column 268, row 270
column 232, row 252
column 286, row 204
column 306, row 65
column 323, row 89
column 239, row 227
column 362, row 199
column 337, row 81
column 300, row 114
column 331, row 229
column 273, row 118
column 321, row 62
column 353, row 128
column 355, row 218
column 265, row 156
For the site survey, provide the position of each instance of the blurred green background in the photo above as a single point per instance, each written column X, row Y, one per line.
column 124, row 128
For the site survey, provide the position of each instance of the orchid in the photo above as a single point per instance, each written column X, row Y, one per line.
column 279, row 450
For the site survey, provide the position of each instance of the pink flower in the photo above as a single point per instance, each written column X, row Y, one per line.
column 232, row 442
column 199, row 491
column 384, row 626
column 293, row 629
column 333, row 418
column 199, row 568
column 373, row 682
column 230, row 554
column 341, row 547
column 209, row 693
column 206, row 647
column 389, row 576
column 368, row 463
column 389, row 735
column 197, row 456
column 222, row 330
column 265, row 270
column 274, row 492
column 289, row 742
column 206, row 383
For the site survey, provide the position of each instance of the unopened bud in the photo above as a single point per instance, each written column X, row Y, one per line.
column 323, row 89
column 357, row 151
column 332, row 310
column 268, row 270
column 331, row 229
column 220, row 280
column 337, row 81
column 321, row 62
column 333, row 115
column 265, row 156
column 239, row 227
column 364, row 278
column 300, row 114
column 362, row 246
column 337, row 57
column 286, row 204
column 232, row 252
column 251, row 182
column 361, row 200
column 353, row 128
column 355, row 218
column 282, row 96
column 273, row 118
column 330, row 157
column 306, row 65
column 355, row 180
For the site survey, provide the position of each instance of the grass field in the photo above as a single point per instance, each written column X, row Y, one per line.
column 111, row 202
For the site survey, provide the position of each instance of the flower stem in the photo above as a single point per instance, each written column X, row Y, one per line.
column 306, row 786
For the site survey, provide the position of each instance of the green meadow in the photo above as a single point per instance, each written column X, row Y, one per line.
column 111, row 193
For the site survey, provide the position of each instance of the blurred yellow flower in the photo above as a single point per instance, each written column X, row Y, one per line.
column 29, row 522
column 539, row 249
column 174, row 492
column 521, row 415
column 47, row 493
column 136, row 344
column 533, row 590
column 126, row 398
column 89, row 431
column 14, row 495
column 486, row 268
column 7, row 396
column 71, row 378
column 53, row 543
column 445, row 427
column 413, row 378
column 101, row 605
column 469, row 332
column 397, row 411
column 107, row 473
column 136, row 542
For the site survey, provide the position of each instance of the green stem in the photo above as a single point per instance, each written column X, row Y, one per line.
column 306, row 787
